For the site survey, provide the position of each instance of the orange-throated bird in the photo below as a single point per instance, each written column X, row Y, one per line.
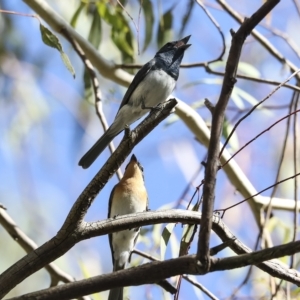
column 152, row 85
column 127, row 197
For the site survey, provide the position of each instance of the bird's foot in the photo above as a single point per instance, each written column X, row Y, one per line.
column 158, row 107
column 143, row 105
column 127, row 130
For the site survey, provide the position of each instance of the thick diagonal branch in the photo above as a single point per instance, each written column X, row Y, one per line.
column 67, row 236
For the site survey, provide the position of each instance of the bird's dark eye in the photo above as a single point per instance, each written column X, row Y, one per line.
column 141, row 167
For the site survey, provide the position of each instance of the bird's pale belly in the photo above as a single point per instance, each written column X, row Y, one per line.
column 154, row 89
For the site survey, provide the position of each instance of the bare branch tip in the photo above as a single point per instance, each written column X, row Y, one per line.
column 209, row 106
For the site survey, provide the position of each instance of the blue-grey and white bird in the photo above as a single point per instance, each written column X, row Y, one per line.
column 127, row 197
column 152, row 85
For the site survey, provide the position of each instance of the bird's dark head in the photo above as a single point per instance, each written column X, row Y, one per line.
column 171, row 55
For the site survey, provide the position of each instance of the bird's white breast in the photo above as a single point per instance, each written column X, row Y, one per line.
column 154, row 89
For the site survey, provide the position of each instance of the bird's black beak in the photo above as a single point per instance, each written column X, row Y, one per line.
column 133, row 158
column 182, row 44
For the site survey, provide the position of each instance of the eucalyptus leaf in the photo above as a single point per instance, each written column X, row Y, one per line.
column 164, row 33
column 67, row 63
column 95, row 33
column 187, row 237
column 149, row 21
column 74, row 19
column 120, row 30
column 52, row 41
column 165, row 237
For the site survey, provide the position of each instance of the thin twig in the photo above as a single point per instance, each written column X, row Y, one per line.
column 9, row 12
column 258, row 193
column 131, row 18
column 259, row 37
column 263, row 232
column 215, row 23
column 244, row 282
column 283, row 150
column 254, row 107
column 255, row 79
column 189, row 184
column 261, row 133
column 295, row 162
column 285, row 37
column 138, row 26
column 185, row 277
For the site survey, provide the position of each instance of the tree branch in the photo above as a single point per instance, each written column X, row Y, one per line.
column 217, row 124
column 155, row 271
column 67, row 236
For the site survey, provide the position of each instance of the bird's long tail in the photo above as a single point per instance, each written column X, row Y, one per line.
column 117, row 293
column 98, row 147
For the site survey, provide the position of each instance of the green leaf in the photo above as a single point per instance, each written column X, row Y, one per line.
column 52, row 41
column 122, row 36
column 120, row 31
column 187, row 237
column 86, row 274
column 165, row 237
column 95, row 33
column 95, row 39
column 236, row 98
column 67, row 63
column 189, row 232
column 88, row 89
column 104, row 12
column 295, row 292
column 76, row 14
column 247, row 69
column 149, row 20
column 215, row 80
column 164, row 33
column 246, row 96
column 243, row 68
